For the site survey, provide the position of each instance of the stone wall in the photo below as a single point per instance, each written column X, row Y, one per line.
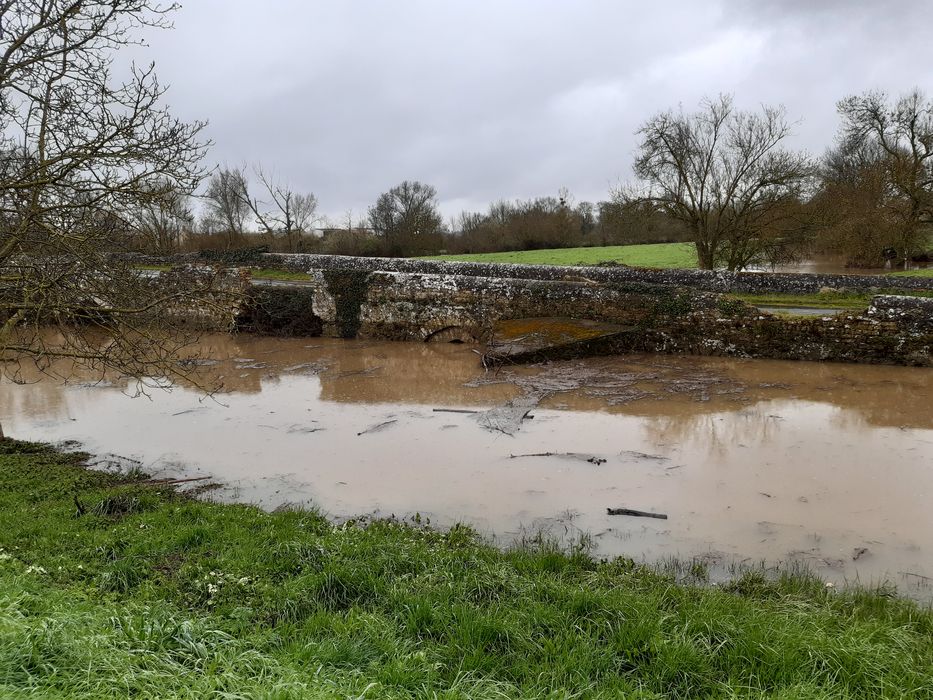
column 354, row 297
column 403, row 306
column 893, row 330
column 654, row 318
column 704, row 280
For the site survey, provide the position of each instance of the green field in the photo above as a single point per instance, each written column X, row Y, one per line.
column 112, row 587
column 926, row 272
column 662, row 255
column 657, row 255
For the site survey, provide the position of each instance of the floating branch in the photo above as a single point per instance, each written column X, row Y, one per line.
column 592, row 459
column 635, row 513
column 379, row 426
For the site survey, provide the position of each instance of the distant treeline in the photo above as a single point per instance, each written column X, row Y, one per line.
column 719, row 177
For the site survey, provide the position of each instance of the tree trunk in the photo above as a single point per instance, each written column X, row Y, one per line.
column 704, row 256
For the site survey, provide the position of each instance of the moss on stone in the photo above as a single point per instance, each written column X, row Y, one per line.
column 280, row 311
column 349, row 289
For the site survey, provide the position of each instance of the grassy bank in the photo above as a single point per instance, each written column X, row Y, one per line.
column 831, row 300
column 926, row 272
column 657, row 255
column 114, row 588
column 663, row 255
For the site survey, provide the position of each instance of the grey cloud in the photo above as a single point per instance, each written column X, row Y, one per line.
column 509, row 99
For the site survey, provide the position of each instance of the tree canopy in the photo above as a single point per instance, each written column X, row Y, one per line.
column 82, row 157
column 726, row 176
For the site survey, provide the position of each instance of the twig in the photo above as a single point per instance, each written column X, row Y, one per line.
column 172, row 482
column 644, row 455
column 911, row 573
column 592, row 459
column 377, row 427
column 455, row 410
column 635, row 513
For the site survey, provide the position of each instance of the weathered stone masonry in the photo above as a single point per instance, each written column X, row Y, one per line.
column 704, row 280
column 355, row 297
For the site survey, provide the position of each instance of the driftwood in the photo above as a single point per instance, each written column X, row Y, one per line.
column 172, row 482
column 635, row 513
column 644, row 455
column 379, row 426
column 592, row 459
column 482, row 358
column 455, row 410
column 911, row 573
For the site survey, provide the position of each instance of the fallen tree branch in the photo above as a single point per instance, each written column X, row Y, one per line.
column 172, row 482
column 643, row 455
column 911, row 573
column 376, row 428
column 592, row 459
column 635, row 513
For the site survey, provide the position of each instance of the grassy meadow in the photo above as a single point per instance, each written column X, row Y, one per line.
column 926, row 272
column 660, row 255
column 652, row 255
column 114, row 587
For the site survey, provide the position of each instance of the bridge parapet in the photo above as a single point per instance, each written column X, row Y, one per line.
column 352, row 297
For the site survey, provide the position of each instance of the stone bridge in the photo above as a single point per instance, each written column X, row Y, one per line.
column 601, row 310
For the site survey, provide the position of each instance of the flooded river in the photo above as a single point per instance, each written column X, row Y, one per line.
column 752, row 461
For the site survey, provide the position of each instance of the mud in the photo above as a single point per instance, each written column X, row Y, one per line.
column 830, row 466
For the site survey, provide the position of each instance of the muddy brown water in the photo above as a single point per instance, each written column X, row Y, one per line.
column 826, row 465
column 837, row 266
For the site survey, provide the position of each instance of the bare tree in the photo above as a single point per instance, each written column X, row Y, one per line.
column 899, row 137
column 226, row 199
column 282, row 211
column 725, row 175
column 79, row 153
column 406, row 216
column 161, row 217
column 850, row 208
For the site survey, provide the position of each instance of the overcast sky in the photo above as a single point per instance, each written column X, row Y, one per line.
column 488, row 99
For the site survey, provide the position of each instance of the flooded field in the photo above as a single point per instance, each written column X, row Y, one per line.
column 825, row 465
column 826, row 265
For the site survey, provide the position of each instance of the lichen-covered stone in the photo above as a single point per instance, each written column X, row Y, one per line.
column 705, row 280
column 664, row 318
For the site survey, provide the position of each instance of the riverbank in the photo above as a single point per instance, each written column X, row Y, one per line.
column 115, row 586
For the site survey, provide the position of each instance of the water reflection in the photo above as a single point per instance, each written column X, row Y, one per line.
column 750, row 459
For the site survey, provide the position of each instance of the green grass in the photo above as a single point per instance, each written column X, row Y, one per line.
column 827, row 300
column 144, row 593
column 926, row 272
column 268, row 273
column 821, row 301
column 660, row 255
column 265, row 273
